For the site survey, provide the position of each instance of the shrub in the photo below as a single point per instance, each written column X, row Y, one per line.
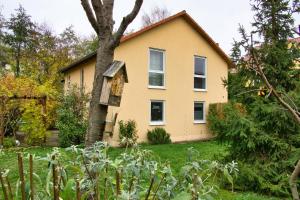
column 9, row 142
column 258, row 139
column 127, row 133
column 33, row 124
column 71, row 118
column 158, row 136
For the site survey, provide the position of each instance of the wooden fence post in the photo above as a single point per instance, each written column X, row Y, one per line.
column 55, row 184
column 3, row 186
column 21, row 174
column 31, row 177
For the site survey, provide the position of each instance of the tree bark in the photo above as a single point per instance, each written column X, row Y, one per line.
column 100, row 16
column 1, row 134
column 293, row 181
column 98, row 112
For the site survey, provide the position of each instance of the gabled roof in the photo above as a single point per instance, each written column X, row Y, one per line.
column 182, row 14
column 296, row 40
column 114, row 68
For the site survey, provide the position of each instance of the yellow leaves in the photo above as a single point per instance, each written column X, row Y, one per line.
column 22, row 86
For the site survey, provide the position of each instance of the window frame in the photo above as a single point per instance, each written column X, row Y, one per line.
column 200, row 76
column 163, row 72
column 204, row 117
column 162, row 122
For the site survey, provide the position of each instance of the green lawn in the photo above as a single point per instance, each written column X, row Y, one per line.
column 174, row 153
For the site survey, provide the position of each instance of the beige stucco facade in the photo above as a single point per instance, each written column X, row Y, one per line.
column 181, row 43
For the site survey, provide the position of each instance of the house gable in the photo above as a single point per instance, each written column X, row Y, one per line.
column 163, row 22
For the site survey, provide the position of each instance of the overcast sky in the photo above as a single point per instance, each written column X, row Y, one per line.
column 218, row 18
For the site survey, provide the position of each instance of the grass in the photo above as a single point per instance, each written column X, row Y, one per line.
column 174, row 153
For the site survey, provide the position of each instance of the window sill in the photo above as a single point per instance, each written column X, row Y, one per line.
column 157, row 123
column 200, row 90
column 199, row 122
column 157, row 87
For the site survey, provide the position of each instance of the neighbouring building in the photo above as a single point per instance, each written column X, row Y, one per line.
column 175, row 71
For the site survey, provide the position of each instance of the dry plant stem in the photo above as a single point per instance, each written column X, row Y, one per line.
column 161, row 181
column 31, row 177
column 90, row 177
column 55, row 184
column 195, row 196
column 9, row 188
column 150, row 188
column 118, row 184
column 131, row 183
column 3, row 187
column 105, row 183
column 21, row 175
column 78, row 195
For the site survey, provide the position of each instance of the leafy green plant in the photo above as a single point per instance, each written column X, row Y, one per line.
column 9, row 142
column 127, row 133
column 158, row 136
column 71, row 118
column 33, row 124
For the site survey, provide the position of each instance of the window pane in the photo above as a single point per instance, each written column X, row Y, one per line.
column 156, row 60
column 199, row 66
column 198, row 112
column 199, row 83
column 156, row 79
column 156, row 111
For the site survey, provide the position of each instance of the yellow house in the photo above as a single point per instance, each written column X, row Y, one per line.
column 175, row 71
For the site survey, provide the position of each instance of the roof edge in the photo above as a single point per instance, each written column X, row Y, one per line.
column 183, row 14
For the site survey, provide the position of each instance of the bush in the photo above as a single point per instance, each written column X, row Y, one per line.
column 71, row 118
column 158, row 136
column 127, row 133
column 33, row 124
column 9, row 142
column 258, row 140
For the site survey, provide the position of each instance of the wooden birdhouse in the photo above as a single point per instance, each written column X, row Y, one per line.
column 114, row 79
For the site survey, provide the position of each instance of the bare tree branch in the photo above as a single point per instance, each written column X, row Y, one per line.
column 108, row 7
column 90, row 15
column 98, row 9
column 125, row 22
column 271, row 88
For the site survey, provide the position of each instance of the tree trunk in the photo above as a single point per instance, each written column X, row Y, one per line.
column 97, row 112
column 1, row 135
column 293, row 181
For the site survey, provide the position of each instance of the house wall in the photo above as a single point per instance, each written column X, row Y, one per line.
column 180, row 42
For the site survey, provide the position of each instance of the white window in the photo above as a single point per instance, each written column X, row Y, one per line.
column 199, row 112
column 199, row 73
column 156, row 68
column 157, row 112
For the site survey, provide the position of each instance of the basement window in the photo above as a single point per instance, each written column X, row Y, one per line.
column 157, row 113
column 199, row 112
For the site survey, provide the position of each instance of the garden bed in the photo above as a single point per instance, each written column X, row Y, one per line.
column 174, row 153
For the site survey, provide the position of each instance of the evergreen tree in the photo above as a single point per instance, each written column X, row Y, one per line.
column 263, row 136
column 18, row 35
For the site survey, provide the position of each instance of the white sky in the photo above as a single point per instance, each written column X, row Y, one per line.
column 219, row 18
